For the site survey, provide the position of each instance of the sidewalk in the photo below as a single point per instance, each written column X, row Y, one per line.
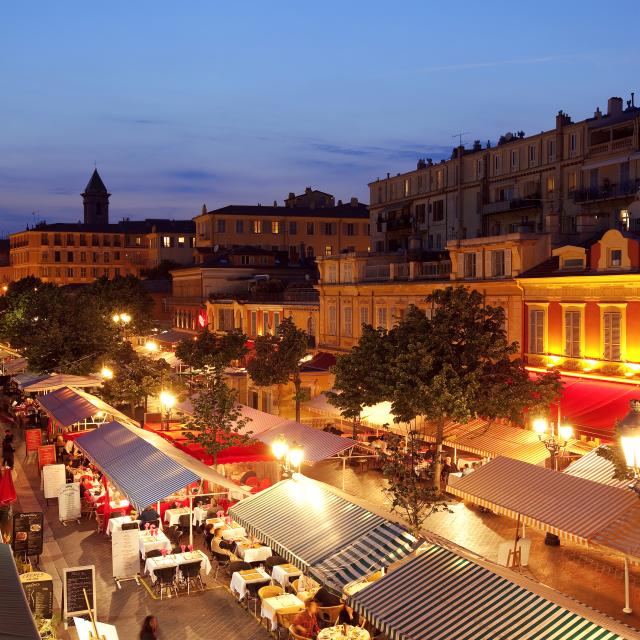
column 590, row 576
column 214, row 613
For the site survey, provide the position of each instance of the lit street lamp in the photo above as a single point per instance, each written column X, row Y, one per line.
column 106, row 373
column 555, row 444
column 122, row 320
column 291, row 456
column 167, row 401
column 151, row 346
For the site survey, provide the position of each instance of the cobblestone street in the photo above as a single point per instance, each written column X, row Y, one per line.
column 591, row 576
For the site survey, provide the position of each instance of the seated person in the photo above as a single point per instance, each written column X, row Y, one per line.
column 149, row 514
column 306, row 622
column 219, row 545
column 325, row 598
column 208, row 535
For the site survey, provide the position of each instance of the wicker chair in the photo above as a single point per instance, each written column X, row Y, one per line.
column 296, row 636
column 273, row 561
column 327, row 616
column 285, row 619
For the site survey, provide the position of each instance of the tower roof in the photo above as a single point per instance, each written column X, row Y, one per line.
column 95, row 184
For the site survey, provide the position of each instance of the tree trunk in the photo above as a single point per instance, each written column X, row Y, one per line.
column 298, row 384
column 354, row 432
column 437, row 463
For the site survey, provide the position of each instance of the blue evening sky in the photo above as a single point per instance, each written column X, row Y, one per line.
column 192, row 102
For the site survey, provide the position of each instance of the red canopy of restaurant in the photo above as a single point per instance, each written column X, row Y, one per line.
column 593, row 406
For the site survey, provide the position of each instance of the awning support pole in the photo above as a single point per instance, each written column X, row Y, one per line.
column 455, row 455
column 344, row 470
column 627, row 604
column 159, row 512
column 191, row 520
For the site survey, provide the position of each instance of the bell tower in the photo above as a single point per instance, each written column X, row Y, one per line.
column 96, row 201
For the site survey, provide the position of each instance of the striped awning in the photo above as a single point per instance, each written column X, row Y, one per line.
column 28, row 377
column 317, row 445
column 440, row 595
column 141, row 471
column 58, row 380
column 596, row 468
column 303, row 521
column 68, row 405
column 375, row 550
column 14, row 608
column 578, row 509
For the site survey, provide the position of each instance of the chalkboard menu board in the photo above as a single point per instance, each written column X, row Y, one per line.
column 74, row 582
column 38, row 588
column 28, row 533
column 33, row 439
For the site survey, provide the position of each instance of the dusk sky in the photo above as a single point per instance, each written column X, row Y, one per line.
column 185, row 103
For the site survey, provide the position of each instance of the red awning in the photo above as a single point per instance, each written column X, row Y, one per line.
column 592, row 407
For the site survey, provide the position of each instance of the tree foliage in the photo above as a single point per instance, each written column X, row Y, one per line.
column 217, row 422
column 277, row 359
column 212, row 351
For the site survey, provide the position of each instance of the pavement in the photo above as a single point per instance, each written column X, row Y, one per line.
column 588, row 575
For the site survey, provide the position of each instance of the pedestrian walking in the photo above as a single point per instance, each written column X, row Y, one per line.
column 149, row 629
column 8, row 451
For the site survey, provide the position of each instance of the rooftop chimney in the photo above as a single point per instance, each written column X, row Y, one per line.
column 354, row 202
column 307, row 190
column 614, row 106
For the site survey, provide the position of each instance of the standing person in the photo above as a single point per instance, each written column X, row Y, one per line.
column 8, row 451
column 149, row 629
column 447, row 468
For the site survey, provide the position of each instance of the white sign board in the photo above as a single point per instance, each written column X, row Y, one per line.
column 125, row 553
column 85, row 630
column 69, row 502
column 53, row 479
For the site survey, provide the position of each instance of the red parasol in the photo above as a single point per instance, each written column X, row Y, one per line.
column 106, row 504
column 7, row 490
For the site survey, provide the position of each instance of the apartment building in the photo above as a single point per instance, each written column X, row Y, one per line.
column 76, row 253
column 308, row 225
column 571, row 181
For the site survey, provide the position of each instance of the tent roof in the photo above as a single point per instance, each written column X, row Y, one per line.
column 304, row 521
column 439, row 594
column 143, row 472
column 13, row 603
column 596, row 468
column 28, row 377
column 58, row 380
column 581, row 510
column 68, row 405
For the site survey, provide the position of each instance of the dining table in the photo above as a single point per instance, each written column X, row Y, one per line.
column 240, row 580
column 271, row 606
column 172, row 516
column 175, row 560
column 116, row 523
column 234, row 533
column 343, row 632
column 148, row 542
column 199, row 515
column 252, row 552
column 284, row 573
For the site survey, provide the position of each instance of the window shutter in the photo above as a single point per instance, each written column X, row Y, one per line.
column 507, row 263
column 487, row 265
column 460, row 266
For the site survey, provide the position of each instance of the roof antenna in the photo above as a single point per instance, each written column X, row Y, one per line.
column 459, row 136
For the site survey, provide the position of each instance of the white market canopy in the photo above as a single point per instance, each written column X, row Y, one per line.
column 594, row 467
column 57, row 380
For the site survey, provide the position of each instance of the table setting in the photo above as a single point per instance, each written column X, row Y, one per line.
column 343, row 632
column 240, row 580
column 172, row 516
column 252, row 551
column 270, row 607
column 151, row 538
column 177, row 559
column 284, row 573
column 116, row 523
column 234, row 533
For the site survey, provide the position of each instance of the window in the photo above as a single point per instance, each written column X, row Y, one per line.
column 438, row 241
column 106, row 257
column 44, row 257
column 532, row 153
column 56, row 256
column 275, row 226
column 478, row 169
column 116, row 272
column 381, row 317
column 328, row 228
column 106, row 241
column 496, row 163
column 309, row 252
column 572, row 181
column 331, row 273
column 407, row 187
column 94, row 256
column 573, row 263
column 310, row 228
column 181, row 241
column 514, row 159
column 138, row 241
column 351, row 228
column 438, row 211
column 57, row 241
column 70, row 239
column 497, row 264
column 551, row 184
column 95, row 240
column 276, row 321
column 94, row 272
column 221, row 225
column 573, row 143
column 421, row 213
column 166, row 241
column 536, row 331
column 615, row 258
column 331, row 321
column 469, row 265
column 265, row 323
column 612, row 323
column 293, row 228
column 69, row 256
column 328, row 250
column 253, row 324
column 439, row 179
column 347, row 321
column 69, row 272
column 572, row 333
column 257, row 226
column 255, row 399
column 83, row 272
column 44, row 238
column 83, row 256
column 239, row 226
column 551, row 150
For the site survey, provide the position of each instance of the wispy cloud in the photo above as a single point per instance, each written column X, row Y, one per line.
column 193, row 175
column 499, row 63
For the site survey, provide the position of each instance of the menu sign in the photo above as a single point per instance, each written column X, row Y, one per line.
column 75, row 581
column 33, row 438
column 46, row 455
column 38, row 589
column 69, row 502
column 53, row 479
column 125, row 552
column 28, row 533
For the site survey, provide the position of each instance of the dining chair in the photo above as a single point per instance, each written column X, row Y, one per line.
column 296, row 636
column 166, row 580
column 222, row 561
column 191, row 575
column 328, row 616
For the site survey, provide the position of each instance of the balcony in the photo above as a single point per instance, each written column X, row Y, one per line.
column 611, row 146
column 394, row 223
column 607, row 191
column 514, row 204
column 435, row 270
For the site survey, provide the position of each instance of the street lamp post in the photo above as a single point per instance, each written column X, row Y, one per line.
column 555, row 443
column 291, row 456
column 122, row 320
column 167, row 400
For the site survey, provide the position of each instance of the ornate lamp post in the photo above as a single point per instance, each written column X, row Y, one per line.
column 291, row 456
column 555, row 444
column 122, row 320
column 167, row 400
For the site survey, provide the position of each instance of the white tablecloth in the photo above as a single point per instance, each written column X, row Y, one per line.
column 235, row 494
column 283, row 573
column 172, row 516
column 336, row 633
column 147, row 542
column 270, row 606
column 239, row 582
column 233, row 533
column 116, row 523
column 152, row 564
column 199, row 515
column 253, row 555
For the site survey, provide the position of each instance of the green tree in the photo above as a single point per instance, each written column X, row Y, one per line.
column 217, row 422
column 361, row 376
column 277, row 359
column 211, row 350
